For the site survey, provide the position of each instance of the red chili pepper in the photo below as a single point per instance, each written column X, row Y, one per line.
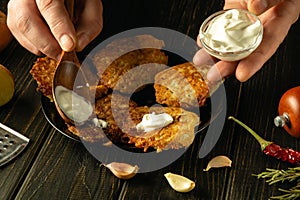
column 271, row 149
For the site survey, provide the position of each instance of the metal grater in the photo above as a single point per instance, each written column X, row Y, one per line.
column 11, row 144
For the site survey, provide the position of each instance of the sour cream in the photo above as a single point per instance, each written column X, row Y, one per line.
column 75, row 107
column 154, row 121
column 231, row 31
column 100, row 123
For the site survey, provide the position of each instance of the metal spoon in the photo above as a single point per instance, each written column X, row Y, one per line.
column 69, row 77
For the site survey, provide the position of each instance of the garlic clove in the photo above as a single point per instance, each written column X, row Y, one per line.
column 179, row 183
column 122, row 170
column 217, row 162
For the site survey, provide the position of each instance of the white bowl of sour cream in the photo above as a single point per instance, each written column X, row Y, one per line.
column 231, row 35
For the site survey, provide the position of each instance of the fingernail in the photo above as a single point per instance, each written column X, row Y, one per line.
column 83, row 40
column 202, row 57
column 213, row 74
column 258, row 7
column 262, row 5
column 57, row 57
column 66, row 42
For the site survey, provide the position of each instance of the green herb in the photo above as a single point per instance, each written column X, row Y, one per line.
column 273, row 176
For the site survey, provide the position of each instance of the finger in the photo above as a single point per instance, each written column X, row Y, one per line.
column 59, row 22
column 23, row 25
column 221, row 70
column 260, row 6
column 202, row 57
column 235, row 4
column 198, row 41
column 90, row 23
column 29, row 46
column 277, row 21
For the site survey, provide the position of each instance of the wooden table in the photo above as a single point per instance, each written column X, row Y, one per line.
column 55, row 167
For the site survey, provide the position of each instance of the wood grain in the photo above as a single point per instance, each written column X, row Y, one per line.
column 55, row 167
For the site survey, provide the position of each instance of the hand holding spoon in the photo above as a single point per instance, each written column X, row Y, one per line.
column 68, row 77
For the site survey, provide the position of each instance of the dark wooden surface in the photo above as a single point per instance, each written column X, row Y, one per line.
column 55, row 167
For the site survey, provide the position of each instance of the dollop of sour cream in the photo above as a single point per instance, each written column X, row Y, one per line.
column 100, row 123
column 75, row 107
column 232, row 31
column 154, row 121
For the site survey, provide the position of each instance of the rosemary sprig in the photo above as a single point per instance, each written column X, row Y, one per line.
column 273, row 176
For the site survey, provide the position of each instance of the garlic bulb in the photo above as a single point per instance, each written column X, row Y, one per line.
column 180, row 183
column 218, row 161
column 122, row 170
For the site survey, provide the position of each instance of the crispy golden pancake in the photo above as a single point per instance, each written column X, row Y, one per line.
column 99, row 90
column 103, row 110
column 91, row 133
column 115, row 49
column 43, row 72
column 178, row 134
column 122, row 75
column 87, row 132
column 122, row 124
column 181, row 86
column 119, row 58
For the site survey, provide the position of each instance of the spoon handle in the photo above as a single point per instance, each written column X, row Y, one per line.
column 70, row 5
column 74, row 8
column 71, row 57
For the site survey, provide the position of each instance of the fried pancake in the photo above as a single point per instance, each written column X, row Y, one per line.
column 99, row 90
column 122, row 116
column 43, row 72
column 151, row 62
column 103, row 110
column 91, row 133
column 96, row 87
column 133, row 77
column 87, row 132
column 119, row 47
column 121, row 56
column 181, row 86
column 178, row 134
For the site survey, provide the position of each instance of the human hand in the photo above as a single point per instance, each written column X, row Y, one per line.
column 44, row 27
column 277, row 16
